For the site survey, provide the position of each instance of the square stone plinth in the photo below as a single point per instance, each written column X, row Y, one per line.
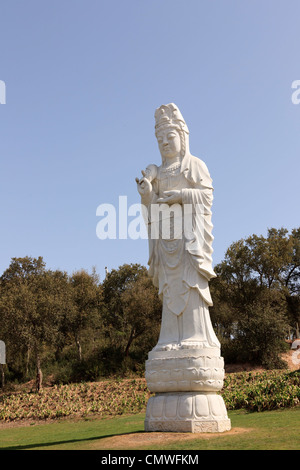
column 187, row 426
column 187, row 412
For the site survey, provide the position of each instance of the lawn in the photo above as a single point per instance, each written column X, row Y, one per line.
column 269, row 430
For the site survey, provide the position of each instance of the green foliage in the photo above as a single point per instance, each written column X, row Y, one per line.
column 131, row 306
column 269, row 390
column 40, row 309
column 256, row 297
column 75, row 327
column 262, row 327
column 251, row 391
column 30, row 307
column 108, row 398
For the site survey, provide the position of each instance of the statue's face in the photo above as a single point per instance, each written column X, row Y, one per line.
column 169, row 142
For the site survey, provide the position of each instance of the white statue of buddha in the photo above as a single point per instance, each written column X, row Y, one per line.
column 184, row 369
column 181, row 268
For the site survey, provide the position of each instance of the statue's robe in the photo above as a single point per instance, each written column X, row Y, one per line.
column 181, row 268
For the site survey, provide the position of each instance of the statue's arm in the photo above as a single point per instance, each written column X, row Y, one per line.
column 201, row 196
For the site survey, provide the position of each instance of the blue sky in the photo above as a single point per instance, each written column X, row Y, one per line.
column 83, row 79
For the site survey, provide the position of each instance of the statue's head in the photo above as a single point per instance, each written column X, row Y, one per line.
column 171, row 131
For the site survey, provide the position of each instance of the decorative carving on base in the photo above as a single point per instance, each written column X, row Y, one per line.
column 187, row 412
column 196, row 370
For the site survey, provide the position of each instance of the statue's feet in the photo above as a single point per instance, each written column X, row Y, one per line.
column 166, row 347
column 184, row 344
column 193, row 344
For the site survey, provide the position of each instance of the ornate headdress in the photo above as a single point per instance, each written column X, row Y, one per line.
column 169, row 114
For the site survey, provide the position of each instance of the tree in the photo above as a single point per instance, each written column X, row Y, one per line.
column 21, row 268
column 131, row 305
column 31, row 305
column 141, row 308
column 255, row 271
column 291, row 283
column 222, row 314
column 261, row 328
column 86, row 295
column 270, row 256
column 291, row 273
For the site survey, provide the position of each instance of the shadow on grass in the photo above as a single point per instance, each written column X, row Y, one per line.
column 70, row 441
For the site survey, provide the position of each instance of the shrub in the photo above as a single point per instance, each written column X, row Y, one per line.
column 269, row 390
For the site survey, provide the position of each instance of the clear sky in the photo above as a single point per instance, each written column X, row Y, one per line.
column 83, row 79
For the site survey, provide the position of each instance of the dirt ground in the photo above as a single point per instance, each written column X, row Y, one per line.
column 136, row 440
column 288, row 357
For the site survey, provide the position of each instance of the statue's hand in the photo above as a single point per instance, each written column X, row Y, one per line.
column 144, row 186
column 171, row 197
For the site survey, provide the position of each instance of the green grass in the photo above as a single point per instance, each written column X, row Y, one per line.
column 269, row 430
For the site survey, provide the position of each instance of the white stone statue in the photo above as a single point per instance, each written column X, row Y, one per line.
column 181, row 268
column 186, row 362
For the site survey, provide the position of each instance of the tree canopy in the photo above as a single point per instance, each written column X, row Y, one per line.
column 256, row 295
column 81, row 327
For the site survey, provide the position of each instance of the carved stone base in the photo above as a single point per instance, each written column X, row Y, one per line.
column 186, row 370
column 187, row 412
